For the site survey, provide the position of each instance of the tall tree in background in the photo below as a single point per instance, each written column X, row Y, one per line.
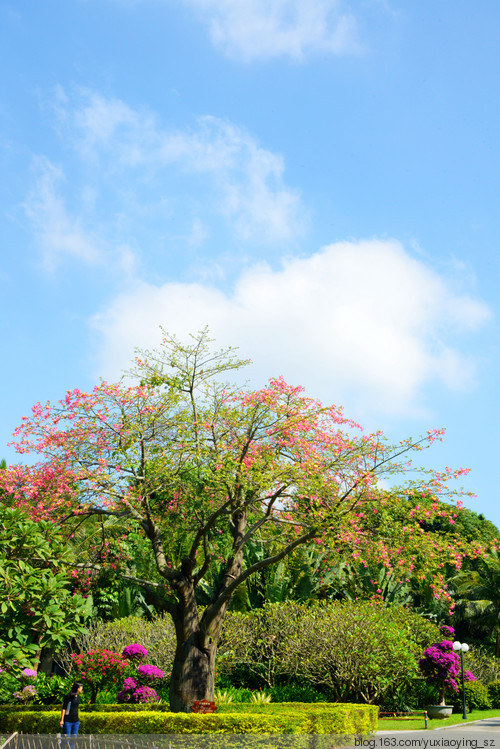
column 478, row 595
column 203, row 470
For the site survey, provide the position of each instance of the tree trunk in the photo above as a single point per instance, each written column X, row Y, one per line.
column 193, row 674
column 193, row 671
column 442, row 695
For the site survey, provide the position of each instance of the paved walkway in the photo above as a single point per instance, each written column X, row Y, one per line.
column 487, row 724
column 482, row 726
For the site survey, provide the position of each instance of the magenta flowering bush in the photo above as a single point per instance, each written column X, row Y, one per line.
column 149, row 673
column 129, row 684
column 446, row 630
column 145, row 694
column 440, row 666
column 135, row 652
column 137, row 689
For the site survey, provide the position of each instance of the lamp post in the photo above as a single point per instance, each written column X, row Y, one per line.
column 462, row 647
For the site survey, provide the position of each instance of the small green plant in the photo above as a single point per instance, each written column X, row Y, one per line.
column 223, row 698
column 260, row 698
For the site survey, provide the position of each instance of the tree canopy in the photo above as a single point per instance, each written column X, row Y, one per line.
column 38, row 607
column 203, row 469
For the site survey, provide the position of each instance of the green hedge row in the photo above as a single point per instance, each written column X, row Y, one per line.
column 91, row 708
column 293, row 718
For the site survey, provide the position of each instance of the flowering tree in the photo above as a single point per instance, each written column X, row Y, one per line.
column 440, row 666
column 202, row 469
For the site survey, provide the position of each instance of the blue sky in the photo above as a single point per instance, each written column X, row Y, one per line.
column 317, row 180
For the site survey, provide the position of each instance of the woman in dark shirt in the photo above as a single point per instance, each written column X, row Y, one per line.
column 69, row 716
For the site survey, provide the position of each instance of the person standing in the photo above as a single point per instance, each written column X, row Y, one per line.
column 70, row 721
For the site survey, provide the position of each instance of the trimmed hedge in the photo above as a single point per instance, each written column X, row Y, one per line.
column 283, row 718
column 91, row 707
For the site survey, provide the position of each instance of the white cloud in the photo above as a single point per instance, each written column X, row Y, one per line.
column 263, row 29
column 239, row 179
column 59, row 233
column 362, row 323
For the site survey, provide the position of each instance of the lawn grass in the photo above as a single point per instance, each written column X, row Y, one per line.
column 416, row 723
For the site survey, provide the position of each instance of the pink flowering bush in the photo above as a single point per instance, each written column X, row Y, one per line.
column 137, row 689
column 99, row 668
column 135, row 652
column 440, row 666
column 150, row 673
column 26, row 694
column 28, row 674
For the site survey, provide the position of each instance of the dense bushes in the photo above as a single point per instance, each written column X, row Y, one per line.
column 476, row 696
column 346, row 651
column 351, row 651
column 157, row 636
column 494, row 694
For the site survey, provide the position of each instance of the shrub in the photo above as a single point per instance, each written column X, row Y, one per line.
column 135, row 652
column 147, row 672
column 476, row 696
column 485, row 667
column 156, row 636
column 347, row 650
column 440, row 665
column 26, row 694
column 494, row 694
column 99, row 668
column 139, row 689
column 296, row 693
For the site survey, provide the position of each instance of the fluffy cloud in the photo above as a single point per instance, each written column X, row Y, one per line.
column 218, row 161
column 263, row 29
column 360, row 323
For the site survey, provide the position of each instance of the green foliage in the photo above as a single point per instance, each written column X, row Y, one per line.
column 223, row 697
column 296, row 693
column 357, row 651
column 478, row 595
column 51, row 689
column 38, row 608
column 157, row 636
column 485, row 667
column 260, row 698
column 494, row 694
column 8, row 685
column 476, row 696
column 281, row 719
